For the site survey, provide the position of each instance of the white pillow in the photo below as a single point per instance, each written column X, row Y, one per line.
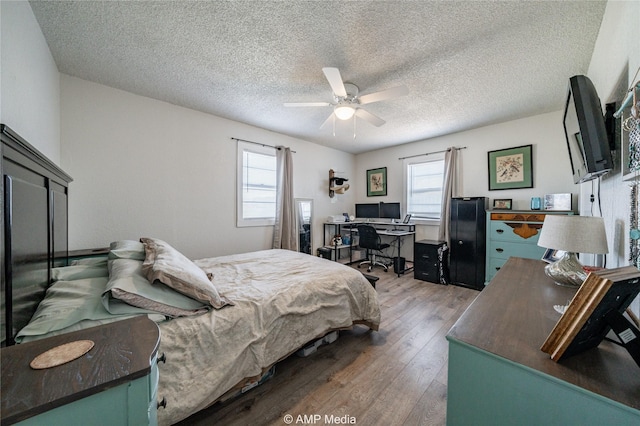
column 172, row 268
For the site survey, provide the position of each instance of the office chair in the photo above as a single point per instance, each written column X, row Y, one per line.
column 370, row 240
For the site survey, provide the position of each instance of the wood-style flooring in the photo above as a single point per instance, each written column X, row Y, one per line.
column 394, row 376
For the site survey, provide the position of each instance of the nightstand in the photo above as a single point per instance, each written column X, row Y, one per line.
column 115, row 383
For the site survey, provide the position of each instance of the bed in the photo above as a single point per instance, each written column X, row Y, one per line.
column 224, row 321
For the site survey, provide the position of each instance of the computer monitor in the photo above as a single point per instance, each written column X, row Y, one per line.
column 390, row 210
column 368, row 211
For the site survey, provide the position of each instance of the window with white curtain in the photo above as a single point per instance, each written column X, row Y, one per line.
column 256, row 182
column 424, row 177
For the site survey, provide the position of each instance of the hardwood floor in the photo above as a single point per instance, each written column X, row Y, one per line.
column 395, row 376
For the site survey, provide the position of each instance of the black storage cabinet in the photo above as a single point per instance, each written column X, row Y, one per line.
column 430, row 261
column 468, row 241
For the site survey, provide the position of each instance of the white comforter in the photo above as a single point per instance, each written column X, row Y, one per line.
column 283, row 300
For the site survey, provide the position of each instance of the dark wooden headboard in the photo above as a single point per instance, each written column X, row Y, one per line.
column 34, row 229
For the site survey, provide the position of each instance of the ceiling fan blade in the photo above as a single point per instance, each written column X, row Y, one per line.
column 306, row 104
column 335, row 80
column 382, row 95
column 367, row 116
column 328, row 120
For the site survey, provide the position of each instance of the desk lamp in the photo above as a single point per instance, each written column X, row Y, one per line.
column 572, row 234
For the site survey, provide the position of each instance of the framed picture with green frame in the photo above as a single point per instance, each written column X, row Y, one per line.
column 377, row 182
column 511, row 168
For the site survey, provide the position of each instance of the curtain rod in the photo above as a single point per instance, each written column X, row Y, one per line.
column 258, row 143
column 429, row 153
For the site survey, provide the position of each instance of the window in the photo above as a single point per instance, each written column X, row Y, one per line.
column 256, row 193
column 423, row 183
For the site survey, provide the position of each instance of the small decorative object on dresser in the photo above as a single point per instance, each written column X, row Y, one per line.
column 561, row 202
column 502, row 204
column 536, row 203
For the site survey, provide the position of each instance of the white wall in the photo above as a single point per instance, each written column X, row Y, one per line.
column 29, row 82
column 551, row 166
column 142, row 167
column 616, row 56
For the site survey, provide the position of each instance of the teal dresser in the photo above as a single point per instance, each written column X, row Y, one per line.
column 498, row 376
column 513, row 233
column 115, row 383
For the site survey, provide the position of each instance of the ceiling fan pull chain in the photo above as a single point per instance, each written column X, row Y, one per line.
column 334, row 125
column 354, row 127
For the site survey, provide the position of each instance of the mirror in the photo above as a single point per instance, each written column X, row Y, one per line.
column 304, row 216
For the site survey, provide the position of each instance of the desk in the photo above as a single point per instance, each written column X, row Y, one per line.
column 400, row 235
column 398, row 230
column 499, row 376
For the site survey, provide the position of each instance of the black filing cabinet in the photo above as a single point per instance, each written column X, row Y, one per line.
column 430, row 261
column 468, row 241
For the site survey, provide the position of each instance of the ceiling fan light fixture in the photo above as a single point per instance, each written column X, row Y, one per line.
column 344, row 112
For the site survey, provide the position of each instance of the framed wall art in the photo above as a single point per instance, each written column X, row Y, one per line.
column 377, row 182
column 511, row 168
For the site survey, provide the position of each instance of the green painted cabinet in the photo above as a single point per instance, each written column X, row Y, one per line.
column 497, row 374
column 115, row 383
column 513, row 233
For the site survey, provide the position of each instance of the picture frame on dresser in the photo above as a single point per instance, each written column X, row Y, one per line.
column 511, row 168
column 559, row 202
column 552, row 255
column 597, row 308
column 502, row 204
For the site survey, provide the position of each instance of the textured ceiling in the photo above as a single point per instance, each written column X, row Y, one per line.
column 466, row 63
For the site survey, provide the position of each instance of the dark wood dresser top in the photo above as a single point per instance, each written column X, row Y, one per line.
column 513, row 316
column 123, row 352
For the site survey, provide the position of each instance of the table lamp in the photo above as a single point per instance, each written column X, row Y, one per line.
column 572, row 234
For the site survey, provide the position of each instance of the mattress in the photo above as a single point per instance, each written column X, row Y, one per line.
column 283, row 300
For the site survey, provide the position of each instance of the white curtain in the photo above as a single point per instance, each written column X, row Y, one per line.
column 285, row 234
column 449, row 191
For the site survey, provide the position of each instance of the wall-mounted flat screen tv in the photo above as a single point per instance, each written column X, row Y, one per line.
column 585, row 131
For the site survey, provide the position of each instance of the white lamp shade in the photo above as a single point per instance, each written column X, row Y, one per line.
column 344, row 112
column 577, row 234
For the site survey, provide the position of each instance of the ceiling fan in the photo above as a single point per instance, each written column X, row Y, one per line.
column 347, row 103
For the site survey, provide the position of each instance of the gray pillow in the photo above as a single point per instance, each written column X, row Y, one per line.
column 91, row 261
column 126, row 249
column 172, row 268
column 128, row 291
column 78, row 272
column 67, row 303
